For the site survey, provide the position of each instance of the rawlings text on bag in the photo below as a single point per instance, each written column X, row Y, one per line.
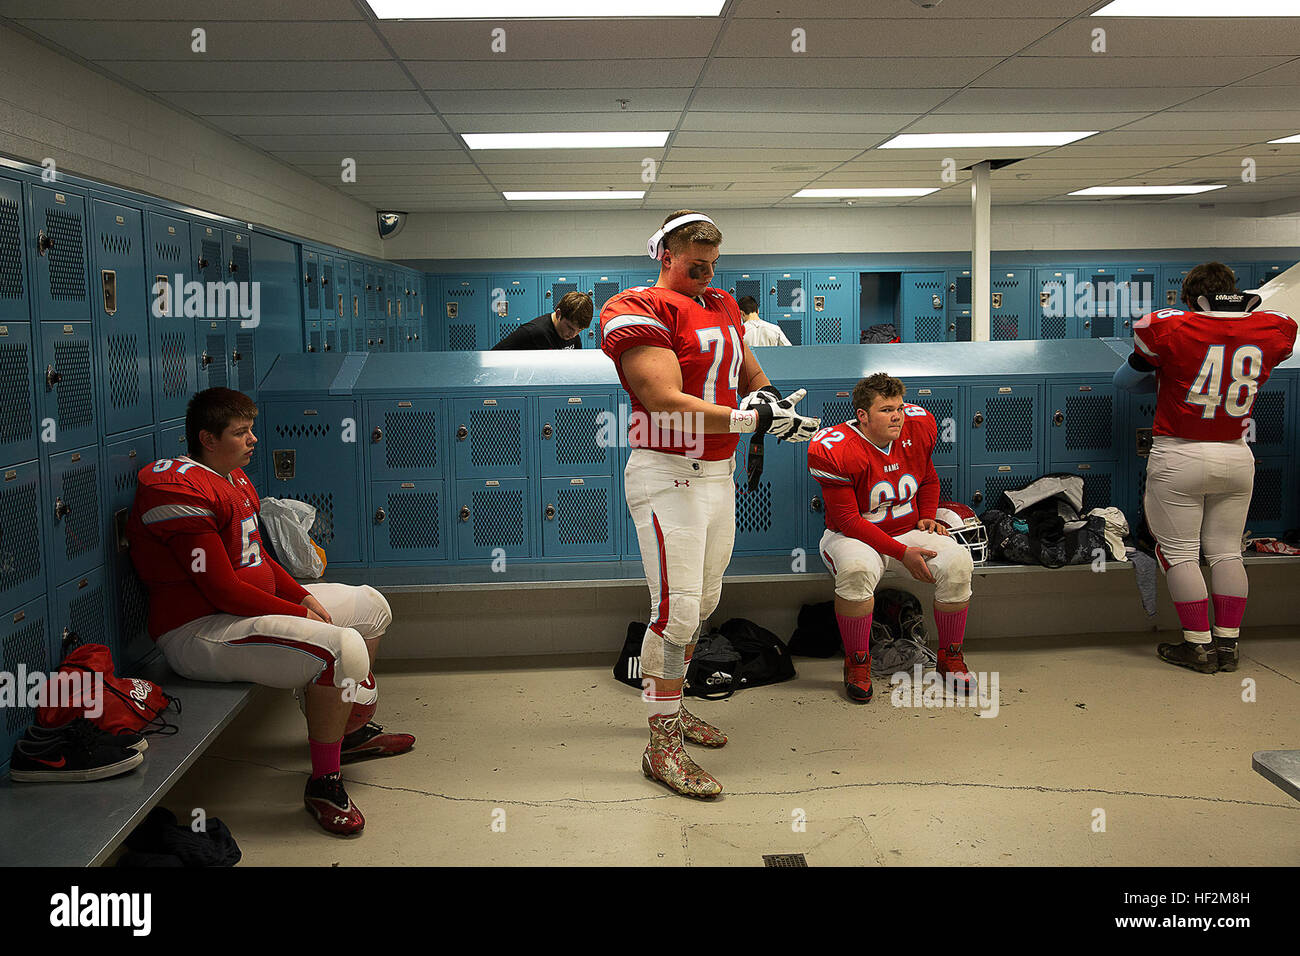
column 129, row 704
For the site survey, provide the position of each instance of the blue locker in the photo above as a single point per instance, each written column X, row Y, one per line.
column 601, row 288
column 123, row 460
column 81, row 614
column 172, row 349
column 419, row 321
column 311, row 279
column 22, row 531
column 1083, row 422
column 1101, row 318
column 1244, row 272
column 765, row 522
column 514, row 299
column 960, row 289
column 77, row 520
column 1271, row 414
column 62, row 289
column 121, row 316
column 405, row 439
column 493, row 514
column 373, row 310
column 944, row 403
column 213, row 371
column 206, row 245
column 491, row 437
column 1011, row 315
column 949, row 482
column 577, row 435
column 14, row 281
column 463, row 314
column 408, row 522
column 354, row 332
column 388, row 295
column 243, row 358
column 330, row 335
column 376, row 336
column 237, row 256
column 172, row 442
column 830, row 300
column 786, row 292
column 1101, row 481
column 924, row 318
column 308, row 459
column 1170, row 290
column 740, row 284
column 1004, row 424
column 27, row 641
column 17, row 393
column 1272, row 505
column 314, row 336
column 68, row 392
column 578, row 517
column 1137, row 296
column 555, row 287
column 985, row 483
column 1264, row 271
column 327, row 286
column 1058, row 295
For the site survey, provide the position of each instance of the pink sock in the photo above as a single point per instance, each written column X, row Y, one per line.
column 1195, row 618
column 1229, row 609
column 855, row 632
column 324, row 757
column 951, row 625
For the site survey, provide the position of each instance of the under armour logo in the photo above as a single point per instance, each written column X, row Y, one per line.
column 681, row 484
column 907, row 444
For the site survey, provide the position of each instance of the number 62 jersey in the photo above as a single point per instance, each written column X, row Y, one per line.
column 1211, row 365
column 895, row 486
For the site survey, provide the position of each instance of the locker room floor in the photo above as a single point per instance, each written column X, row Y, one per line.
column 551, row 747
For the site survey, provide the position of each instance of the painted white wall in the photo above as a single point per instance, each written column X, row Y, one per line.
column 51, row 106
column 1087, row 225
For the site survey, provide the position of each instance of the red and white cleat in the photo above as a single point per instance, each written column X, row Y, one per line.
column 330, row 804
column 372, row 741
column 953, row 668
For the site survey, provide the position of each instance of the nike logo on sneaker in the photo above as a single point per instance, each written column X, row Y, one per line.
column 51, row 763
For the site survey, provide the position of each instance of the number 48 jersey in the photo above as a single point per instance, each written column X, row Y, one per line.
column 895, row 486
column 1211, row 365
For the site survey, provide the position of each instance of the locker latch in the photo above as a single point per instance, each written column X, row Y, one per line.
column 1059, row 418
column 997, row 300
column 379, row 516
column 43, row 243
column 938, row 302
column 462, row 433
column 550, row 512
column 283, row 462
column 108, row 280
column 1144, row 436
column 978, row 420
column 61, row 509
column 205, row 359
column 815, row 504
column 547, row 430
column 52, row 377
column 464, row 513
column 377, row 435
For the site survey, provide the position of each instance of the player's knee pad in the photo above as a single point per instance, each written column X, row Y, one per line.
column 381, row 614
column 351, row 660
column 856, row 580
column 953, row 569
column 661, row 657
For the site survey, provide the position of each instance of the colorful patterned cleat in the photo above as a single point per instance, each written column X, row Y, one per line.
column 700, row 732
column 330, row 804
column 666, row 760
column 857, row 676
column 1203, row 658
column 372, row 741
column 953, row 668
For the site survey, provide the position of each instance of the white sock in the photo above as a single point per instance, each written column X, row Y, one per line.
column 658, row 705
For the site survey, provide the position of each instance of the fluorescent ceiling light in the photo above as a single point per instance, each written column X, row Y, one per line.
column 976, row 140
column 1144, row 190
column 851, row 193
column 541, row 9
column 1287, row 139
column 1200, row 8
column 594, row 194
column 565, row 140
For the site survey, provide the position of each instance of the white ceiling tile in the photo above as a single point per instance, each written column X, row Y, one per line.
column 220, row 77
column 1068, row 100
column 555, row 74
column 347, row 143
column 852, row 101
column 761, row 140
column 840, row 9
column 1078, row 72
column 1192, row 37
column 1017, row 122
column 195, row 11
column 505, row 122
column 293, row 103
column 1282, row 122
column 848, row 72
column 171, row 40
column 639, row 102
column 550, row 39
column 878, row 36
column 332, row 123
column 812, row 124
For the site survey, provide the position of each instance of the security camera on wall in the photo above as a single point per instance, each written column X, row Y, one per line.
column 390, row 223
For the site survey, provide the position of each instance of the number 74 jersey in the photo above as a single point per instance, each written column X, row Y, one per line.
column 894, row 485
column 1211, row 365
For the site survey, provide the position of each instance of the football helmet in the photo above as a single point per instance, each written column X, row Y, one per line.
column 965, row 527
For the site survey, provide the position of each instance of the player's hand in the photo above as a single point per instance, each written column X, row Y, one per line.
column 914, row 560
column 315, row 610
column 932, row 526
column 780, row 419
column 763, row 396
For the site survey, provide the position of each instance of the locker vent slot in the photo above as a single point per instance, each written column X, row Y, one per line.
column 72, row 361
column 411, row 439
column 581, row 514
column 499, row 519
column 15, row 394
column 11, row 252
column 20, row 541
column 67, row 256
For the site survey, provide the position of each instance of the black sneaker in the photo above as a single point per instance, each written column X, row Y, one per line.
column 126, row 739
column 1199, row 657
column 1226, row 649
column 76, row 752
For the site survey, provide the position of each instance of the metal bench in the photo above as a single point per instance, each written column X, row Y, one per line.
column 81, row 824
column 1282, row 767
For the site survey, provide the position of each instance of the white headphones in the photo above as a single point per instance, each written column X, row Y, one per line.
column 656, row 244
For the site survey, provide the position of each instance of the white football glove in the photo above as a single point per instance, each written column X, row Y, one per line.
column 763, row 396
column 780, row 419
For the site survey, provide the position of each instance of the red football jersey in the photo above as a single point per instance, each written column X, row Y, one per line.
column 886, row 481
column 1210, row 367
column 178, row 498
column 706, row 335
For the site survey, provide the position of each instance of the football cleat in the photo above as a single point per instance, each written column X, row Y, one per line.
column 372, row 741
column 1227, row 652
column 950, row 664
column 330, row 804
column 857, row 676
column 666, row 760
column 965, row 527
column 698, row 731
column 1202, row 658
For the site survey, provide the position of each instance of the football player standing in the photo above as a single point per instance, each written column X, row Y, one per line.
column 1206, row 363
column 881, row 493
column 680, row 353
